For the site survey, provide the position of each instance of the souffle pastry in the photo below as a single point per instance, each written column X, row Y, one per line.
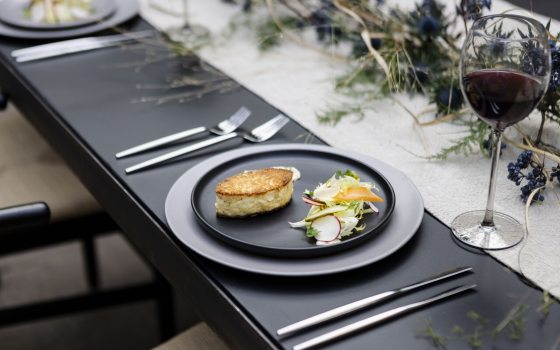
column 254, row 192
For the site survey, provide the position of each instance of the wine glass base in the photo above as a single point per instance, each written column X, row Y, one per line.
column 190, row 35
column 505, row 233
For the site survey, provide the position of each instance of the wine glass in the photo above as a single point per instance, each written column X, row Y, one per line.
column 505, row 71
column 187, row 33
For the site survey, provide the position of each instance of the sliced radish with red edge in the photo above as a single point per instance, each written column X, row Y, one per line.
column 311, row 201
column 328, row 228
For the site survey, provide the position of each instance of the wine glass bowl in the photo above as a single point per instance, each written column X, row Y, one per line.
column 505, row 71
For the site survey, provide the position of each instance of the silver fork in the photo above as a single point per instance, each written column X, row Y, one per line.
column 259, row 134
column 224, row 127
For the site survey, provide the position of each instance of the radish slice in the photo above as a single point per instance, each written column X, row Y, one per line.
column 328, row 228
column 311, row 201
column 373, row 207
column 327, row 243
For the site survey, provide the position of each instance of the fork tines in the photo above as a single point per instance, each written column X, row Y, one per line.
column 233, row 122
column 268, row 129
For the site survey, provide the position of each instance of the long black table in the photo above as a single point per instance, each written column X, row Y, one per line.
column 85, row 106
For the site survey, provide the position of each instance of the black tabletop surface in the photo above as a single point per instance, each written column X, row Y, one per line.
column 87, row 106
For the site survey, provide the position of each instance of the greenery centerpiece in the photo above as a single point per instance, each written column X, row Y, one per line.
column 393, row 50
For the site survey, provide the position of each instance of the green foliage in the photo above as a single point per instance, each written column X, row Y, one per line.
column 311, row 232
column 419, row 49
column 475, row 339
column 458, row 330
column 477, row 130
column 480, row 331
column 333, row 116
column 269, row 35
column 439, row 341
column 348, row 172
column 546, row 303
column 517, row 323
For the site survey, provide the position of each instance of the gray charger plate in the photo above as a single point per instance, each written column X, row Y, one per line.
column 405, row 221
column 270, row 234
column 12, row 13
column 126, row 10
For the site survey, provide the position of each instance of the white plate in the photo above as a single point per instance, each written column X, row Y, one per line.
column 126, row 10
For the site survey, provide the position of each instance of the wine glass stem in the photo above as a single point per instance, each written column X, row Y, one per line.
column 489, row 214
column 185, row 14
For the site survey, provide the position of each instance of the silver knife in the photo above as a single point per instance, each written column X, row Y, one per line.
column 75, row 46
column 372, row 300
column 370, row 321
column 180, row 152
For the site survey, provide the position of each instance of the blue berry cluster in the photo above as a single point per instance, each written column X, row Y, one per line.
column 420, row 72
column 321, row 19
column 534, row 62
column 359, row 48
column 472, row 9
column 555, row 173
column 449, row 97
column 555, row 71
column 428, row 26
column 427, row 19
column 535, row 177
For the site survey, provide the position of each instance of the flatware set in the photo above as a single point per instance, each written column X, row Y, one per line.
column 224, row 127
column 225, row 131
column 379, row 318
column 370, row 301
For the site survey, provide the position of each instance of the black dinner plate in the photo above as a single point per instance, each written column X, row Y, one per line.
column 270, row 234
column 12, row 12
column 125, row 11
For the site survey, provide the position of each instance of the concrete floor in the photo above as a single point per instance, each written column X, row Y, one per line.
column 58, row 271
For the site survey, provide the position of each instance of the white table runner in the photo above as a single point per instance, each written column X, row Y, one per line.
column 300, row 82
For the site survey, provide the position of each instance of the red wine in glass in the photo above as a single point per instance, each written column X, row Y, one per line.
column 501, row 97
column 505, row 70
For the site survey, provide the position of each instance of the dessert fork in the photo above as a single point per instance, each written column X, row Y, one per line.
column 259, row 134
column 222, row 128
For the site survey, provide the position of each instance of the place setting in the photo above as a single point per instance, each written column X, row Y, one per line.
column 381, row 212
column 269, row 242
column 247, row 240
column 58, row 19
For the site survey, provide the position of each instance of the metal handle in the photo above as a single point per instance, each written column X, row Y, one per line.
column 370, row 321
column 52, row 46
column 372, row 300
column 180, row 152
column 60, row 52
column 80, row 42
column 160, row 142
column 75, row 46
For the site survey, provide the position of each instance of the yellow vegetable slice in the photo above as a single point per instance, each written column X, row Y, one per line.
column 357, row 194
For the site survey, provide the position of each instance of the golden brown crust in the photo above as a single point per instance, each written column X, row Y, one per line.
column 254, row 182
